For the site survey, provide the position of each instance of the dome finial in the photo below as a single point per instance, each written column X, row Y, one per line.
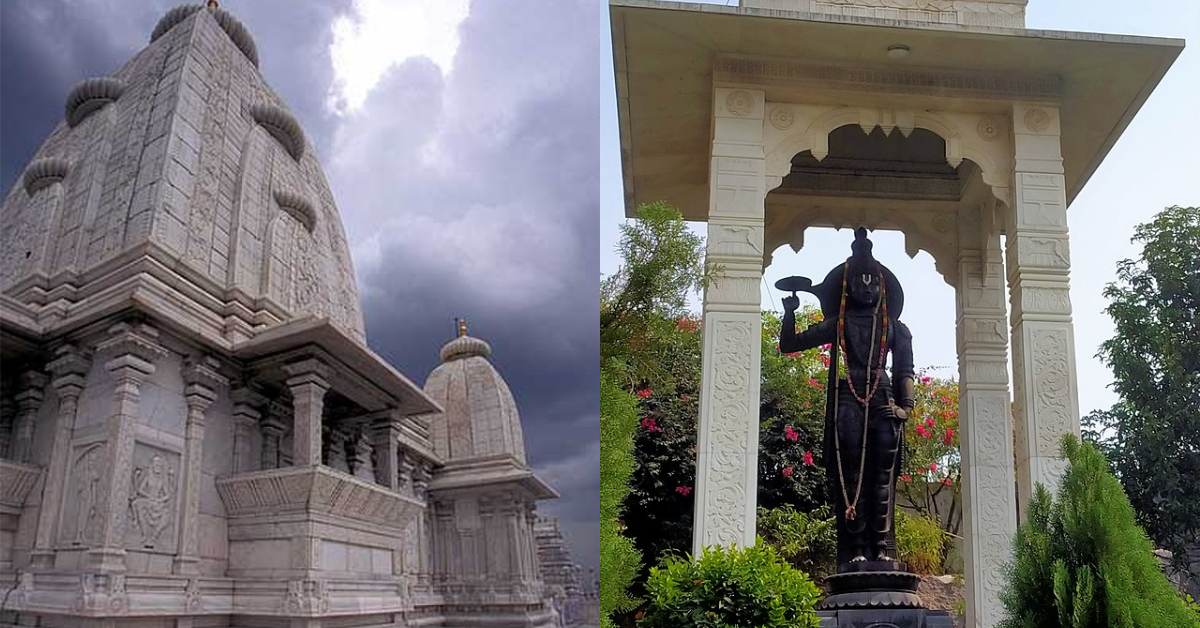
column 462, row 326
column 212, row 4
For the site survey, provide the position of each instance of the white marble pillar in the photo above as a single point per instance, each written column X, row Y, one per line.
column 31, row 391
column 68, row 372
column 247, row 413
column 202, row 380
column 727, row 465
column 132, row 350
column 385, row 434
column 989, row 497
column 1045, row 396
column 308, row 381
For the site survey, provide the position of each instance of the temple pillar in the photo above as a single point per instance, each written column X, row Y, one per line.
column 272, row 427
column 246, row 416
column 68, row 371
column 29, row 400
column 989, row 497
column 1045, row 394
column 727, row 452
column 202, row 380
column 385, row 434
column 308, row 382
column 134, row 349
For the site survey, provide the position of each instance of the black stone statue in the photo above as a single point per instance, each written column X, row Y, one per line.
column 864, row 423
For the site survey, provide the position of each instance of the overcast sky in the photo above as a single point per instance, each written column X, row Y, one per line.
column 1154, row 165
column 460, row 140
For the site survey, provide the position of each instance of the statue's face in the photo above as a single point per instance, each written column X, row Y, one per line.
column 864, row 290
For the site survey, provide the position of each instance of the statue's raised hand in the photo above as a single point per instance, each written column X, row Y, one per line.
column 791, row 303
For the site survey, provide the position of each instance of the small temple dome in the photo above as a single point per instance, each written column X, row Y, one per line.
column 480, row 418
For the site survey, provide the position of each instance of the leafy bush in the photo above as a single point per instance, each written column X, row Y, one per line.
column 619, row 561
column 807, row 541
column 1082, row 562
column 921, row 543
column 730, row 587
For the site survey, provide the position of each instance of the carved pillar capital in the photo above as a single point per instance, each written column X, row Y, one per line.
column 203, row 379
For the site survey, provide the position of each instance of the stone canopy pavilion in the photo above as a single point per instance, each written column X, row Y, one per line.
column 946, row 120
column 193, row 432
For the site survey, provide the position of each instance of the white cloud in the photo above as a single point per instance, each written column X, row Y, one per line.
column 382, row 33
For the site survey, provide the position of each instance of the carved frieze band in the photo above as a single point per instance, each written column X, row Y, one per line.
column 726, row 475
column 1045, row 299
column 1046, row 252
column 890, row 79
column 735, row 240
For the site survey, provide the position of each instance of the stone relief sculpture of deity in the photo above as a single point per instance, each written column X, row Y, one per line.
column 150, row 503
column 88, row 474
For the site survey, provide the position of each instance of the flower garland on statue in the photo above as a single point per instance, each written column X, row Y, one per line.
column 851, row 513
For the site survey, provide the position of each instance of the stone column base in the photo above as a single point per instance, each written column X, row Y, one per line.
column 891, row 617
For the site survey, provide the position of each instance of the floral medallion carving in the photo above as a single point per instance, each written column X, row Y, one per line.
column 782, row 118
column 1037, row 120
column 739, row 102
column 990, row 128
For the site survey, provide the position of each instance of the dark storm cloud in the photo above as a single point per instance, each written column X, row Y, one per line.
column 478, row 197
column 472, row 193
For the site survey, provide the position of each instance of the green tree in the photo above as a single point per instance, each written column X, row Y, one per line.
column 1081, row 561
column 661, row 266
column 1153, row 432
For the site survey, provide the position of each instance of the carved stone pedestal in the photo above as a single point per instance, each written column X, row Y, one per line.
column 885, row 618
column 879, row 594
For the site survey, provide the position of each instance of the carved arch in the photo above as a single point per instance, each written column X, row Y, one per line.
column 990, row 156
column 919, row 235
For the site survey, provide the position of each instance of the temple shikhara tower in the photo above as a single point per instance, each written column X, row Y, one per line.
column 193, row 432
column 946, row 120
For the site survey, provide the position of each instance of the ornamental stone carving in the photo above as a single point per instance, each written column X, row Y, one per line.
column 990, row 128
column 727, row 453
column 739, row 102
column 151, row 500
column 1037, row 120
column 1052, row 398
column 42, row 173
column 89, row 473
column 782, row 118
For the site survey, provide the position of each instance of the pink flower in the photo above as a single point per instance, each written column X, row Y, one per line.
column 644, row 393
column 808, row 459
column 790, row 433
column 933, row 466
column 650, row 425
column 816, row 383
column 683, row 490
column 787, row 472
column 926, row 379
column 921, row 430
column 947, row 482
column 945, row 399
column 929, row 421
column 824, row 359
column 906, row 478
column 948, row 439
